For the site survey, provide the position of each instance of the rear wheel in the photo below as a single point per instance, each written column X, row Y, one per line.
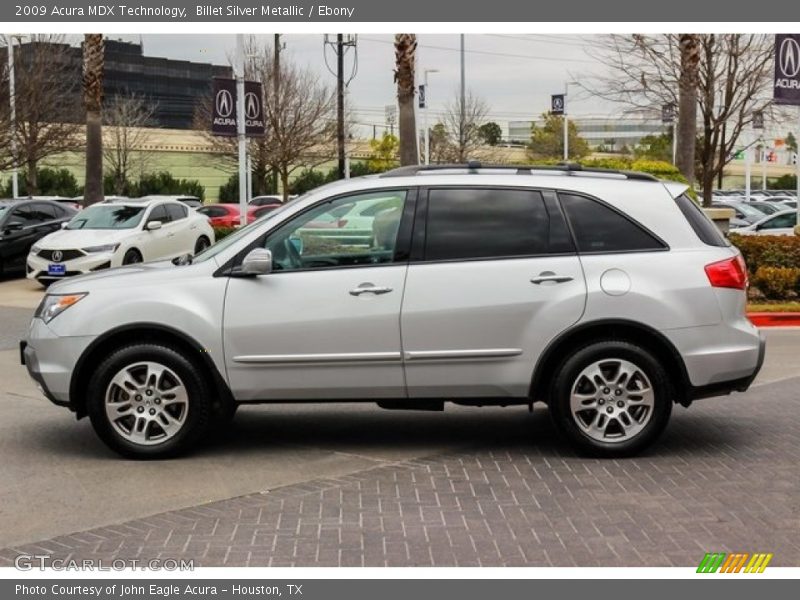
column 148, row 401
column 131, row 257
column 611, row 399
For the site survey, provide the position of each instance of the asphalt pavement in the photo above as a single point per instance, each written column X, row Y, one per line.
column 354, row 484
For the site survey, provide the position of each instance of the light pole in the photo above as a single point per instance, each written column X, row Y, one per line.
column 425, row 120
column 241, row 129
column 13, row 110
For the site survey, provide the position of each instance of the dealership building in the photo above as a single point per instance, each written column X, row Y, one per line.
column 610, row 133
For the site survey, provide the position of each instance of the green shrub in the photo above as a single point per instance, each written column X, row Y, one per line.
column 51, row 182
column 164, row 183
column 776, row 283
column 222, row 232
column 768, row 250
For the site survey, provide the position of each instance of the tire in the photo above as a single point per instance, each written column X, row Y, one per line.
column 167, row 416
column 604, row 413
column 132, row 257
column 201, row 244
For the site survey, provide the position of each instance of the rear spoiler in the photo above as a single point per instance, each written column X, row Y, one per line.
column 675, row 188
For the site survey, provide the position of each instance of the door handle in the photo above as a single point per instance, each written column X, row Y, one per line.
column 368, row 288
column 550, row 277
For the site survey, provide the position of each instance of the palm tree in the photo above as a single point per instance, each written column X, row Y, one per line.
column 405, row 52
column 687, row 104
column 93, row 62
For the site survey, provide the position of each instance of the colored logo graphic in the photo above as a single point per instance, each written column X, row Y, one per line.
column 736, row 562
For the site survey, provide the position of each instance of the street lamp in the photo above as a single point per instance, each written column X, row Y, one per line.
column 425, row 120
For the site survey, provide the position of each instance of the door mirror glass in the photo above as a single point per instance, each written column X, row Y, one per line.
column 153, row 225
column 257, row 262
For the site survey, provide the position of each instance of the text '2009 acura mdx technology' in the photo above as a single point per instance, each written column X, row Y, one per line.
column 608, row 296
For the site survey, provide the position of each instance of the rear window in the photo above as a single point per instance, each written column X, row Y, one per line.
column 598, row 228
column 702, row 225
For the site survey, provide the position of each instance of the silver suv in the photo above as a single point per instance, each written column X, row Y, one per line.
column 606, row 295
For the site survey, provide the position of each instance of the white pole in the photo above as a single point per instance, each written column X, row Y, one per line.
column 674, row 142
column 797, row 172
column 425, row 123
column 566, row 123
column 763, row 167
column 240, row 129
column 249, row 178
column 346, row 134
column 13, row 104
column 747, row 168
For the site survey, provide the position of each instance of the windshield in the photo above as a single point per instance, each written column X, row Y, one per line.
column 750, row 211
column 231, row 239
column 107, row 216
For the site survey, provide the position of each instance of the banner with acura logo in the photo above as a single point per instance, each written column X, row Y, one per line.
column 223, row 110
column 787, row 68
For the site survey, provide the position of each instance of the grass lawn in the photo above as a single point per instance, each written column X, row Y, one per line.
column 773, row 307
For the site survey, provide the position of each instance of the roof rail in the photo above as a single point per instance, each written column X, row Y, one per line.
column 474, row 166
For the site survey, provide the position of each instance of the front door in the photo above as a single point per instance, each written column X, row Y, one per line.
column 325, row 324
column 496, row 279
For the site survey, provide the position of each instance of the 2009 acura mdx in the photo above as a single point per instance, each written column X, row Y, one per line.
column 606, row 295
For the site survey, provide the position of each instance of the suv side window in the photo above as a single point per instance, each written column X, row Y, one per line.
column 599, row 229
column 324, row 237
column 485, row 223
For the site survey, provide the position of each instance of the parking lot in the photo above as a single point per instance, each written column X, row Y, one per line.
column 355, row 485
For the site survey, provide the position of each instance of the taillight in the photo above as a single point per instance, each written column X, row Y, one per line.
column 728, row 273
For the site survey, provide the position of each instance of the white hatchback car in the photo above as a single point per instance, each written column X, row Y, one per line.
column 119, row 233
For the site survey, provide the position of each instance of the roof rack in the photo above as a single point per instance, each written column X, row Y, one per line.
column 474, row 166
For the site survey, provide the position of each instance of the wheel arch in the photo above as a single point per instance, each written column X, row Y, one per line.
column 619, row 329
column 142, row 332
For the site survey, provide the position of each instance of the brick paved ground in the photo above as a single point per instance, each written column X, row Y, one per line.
column 725, row 477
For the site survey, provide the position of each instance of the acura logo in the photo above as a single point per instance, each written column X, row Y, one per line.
column 224, row 103
column 57, row 255
column 252, row 108
column 789, row 57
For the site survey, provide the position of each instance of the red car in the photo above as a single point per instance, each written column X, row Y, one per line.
column 227, row 215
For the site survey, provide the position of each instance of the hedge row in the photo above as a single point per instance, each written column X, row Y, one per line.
column 768, row 250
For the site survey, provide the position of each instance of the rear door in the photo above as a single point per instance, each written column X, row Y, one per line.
column 493, row 279
column 183, row 231
column 158, row 241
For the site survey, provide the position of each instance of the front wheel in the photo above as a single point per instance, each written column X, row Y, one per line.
column 611, row 399
column 131, row 257
column 201, row 244
column 148, row 401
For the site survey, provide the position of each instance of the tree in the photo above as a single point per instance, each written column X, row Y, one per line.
column 44, row 86
column 52, row 182
column 490, row 133
column 93, row 64
column 655, row 147
column 405, row 51
column 547, row 140
column 463, row 130
column 686, row 128
column 299, row 115
column 733, row 82
column 383, row 155
column 791, row 142
column 126, row 118
column 440, row 143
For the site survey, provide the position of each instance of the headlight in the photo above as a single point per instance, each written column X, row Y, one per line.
column 103, row 248
column 35, row 249
column 54, row 304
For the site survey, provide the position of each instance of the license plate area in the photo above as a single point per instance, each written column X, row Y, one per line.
column 56, row 269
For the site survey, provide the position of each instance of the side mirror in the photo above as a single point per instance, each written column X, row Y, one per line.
column 64, row 224
column 257, row 262
column 153, row 225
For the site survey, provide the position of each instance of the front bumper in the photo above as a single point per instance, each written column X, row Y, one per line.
column 37, row 266
column 50, row 360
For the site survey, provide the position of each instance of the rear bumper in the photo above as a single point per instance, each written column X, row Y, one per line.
column 741, row 384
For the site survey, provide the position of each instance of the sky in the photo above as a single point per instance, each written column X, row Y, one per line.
column 514, row 74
